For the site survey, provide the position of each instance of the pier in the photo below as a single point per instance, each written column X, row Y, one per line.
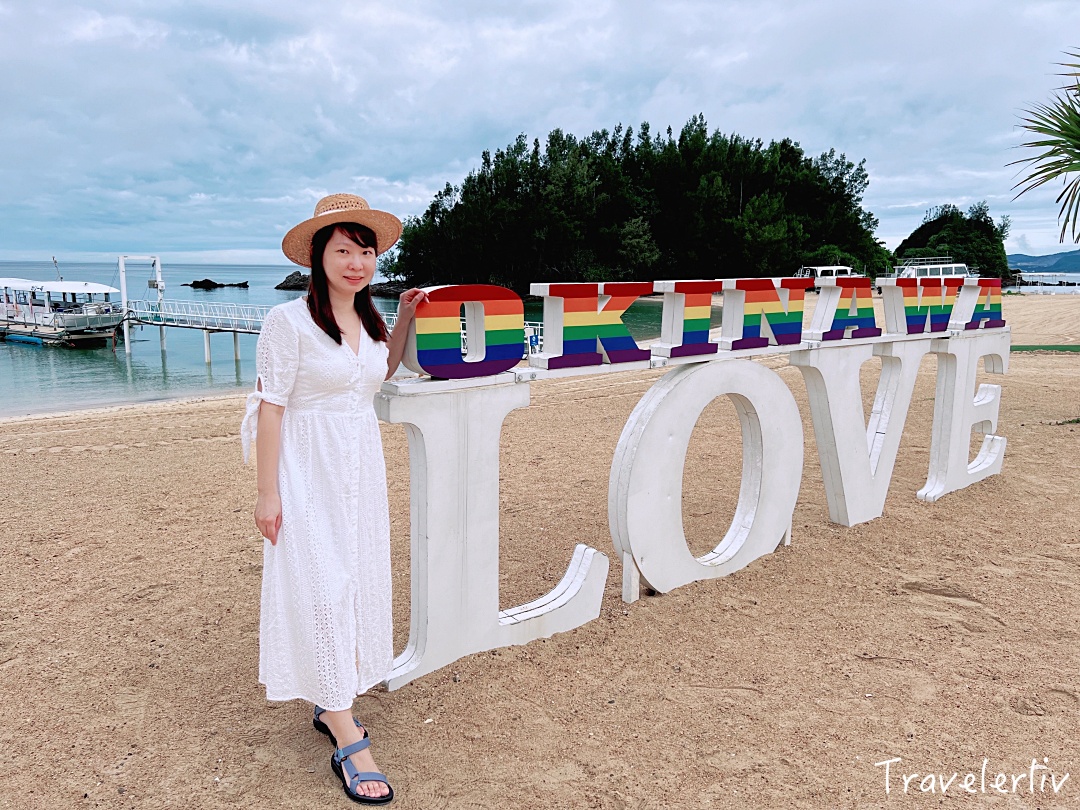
column 1048, row 283
column 207, row 317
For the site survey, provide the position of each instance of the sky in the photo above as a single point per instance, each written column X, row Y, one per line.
column 202, row 131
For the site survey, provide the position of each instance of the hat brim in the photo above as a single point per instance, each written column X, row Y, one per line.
column 297, row 242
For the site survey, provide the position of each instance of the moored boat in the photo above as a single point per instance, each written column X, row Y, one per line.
column 930, row 267
column 61, row 313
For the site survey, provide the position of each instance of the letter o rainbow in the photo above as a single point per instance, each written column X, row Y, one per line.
column 494, row 331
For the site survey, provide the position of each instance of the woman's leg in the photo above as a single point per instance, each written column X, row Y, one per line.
column 346, row 732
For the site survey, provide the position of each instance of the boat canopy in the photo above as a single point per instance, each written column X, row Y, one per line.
column 85, row 287
column 69, row 287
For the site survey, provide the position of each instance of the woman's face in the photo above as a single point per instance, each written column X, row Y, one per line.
column 349, row 267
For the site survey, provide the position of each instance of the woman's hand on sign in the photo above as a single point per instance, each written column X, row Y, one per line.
column 408, row 301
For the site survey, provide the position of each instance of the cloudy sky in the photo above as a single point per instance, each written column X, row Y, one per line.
column 201, row 131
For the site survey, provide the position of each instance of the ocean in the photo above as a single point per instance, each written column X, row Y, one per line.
column 43, row 379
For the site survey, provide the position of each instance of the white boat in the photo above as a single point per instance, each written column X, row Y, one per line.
column 62, row 313
column 930, row 267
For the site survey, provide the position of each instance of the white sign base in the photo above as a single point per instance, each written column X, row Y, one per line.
column 858, row 454
column 454, row 467
column 957, row 413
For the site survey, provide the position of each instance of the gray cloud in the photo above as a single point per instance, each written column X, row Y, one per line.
column 198, row 129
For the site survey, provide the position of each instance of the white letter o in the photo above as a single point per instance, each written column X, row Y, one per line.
column 645, row 488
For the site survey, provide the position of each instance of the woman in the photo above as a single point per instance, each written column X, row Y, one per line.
column 325, row 633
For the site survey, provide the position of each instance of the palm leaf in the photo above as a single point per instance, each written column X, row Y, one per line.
column 1058, row 126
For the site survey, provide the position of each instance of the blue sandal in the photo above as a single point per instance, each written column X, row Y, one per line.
column 341, row 765
column 325, row 729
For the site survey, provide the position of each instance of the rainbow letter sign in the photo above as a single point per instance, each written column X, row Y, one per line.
column 495, row 330
column 467, row 343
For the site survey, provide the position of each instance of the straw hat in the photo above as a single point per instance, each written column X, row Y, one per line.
column 340, row 208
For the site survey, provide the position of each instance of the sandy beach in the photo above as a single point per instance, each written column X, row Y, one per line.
column 942, row 634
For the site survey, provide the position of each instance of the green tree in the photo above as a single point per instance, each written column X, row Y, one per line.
column 1057, row 125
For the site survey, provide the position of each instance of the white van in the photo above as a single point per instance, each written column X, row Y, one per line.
column 825, row 271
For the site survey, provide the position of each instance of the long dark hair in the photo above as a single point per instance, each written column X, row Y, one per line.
column 318, row 299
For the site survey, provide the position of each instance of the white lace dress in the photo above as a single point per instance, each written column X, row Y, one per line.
column 325, row 625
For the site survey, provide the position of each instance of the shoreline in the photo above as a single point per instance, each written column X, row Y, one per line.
column 108, row 410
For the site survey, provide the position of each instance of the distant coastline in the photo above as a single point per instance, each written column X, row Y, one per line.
column 1067, row 261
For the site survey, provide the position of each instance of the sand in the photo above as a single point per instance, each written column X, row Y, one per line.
column 943, row 634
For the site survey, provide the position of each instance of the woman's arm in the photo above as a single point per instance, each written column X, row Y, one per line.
column 396, row 344
column 267, row 449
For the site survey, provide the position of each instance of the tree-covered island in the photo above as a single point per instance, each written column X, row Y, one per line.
column 972, row 238
column 626, row 205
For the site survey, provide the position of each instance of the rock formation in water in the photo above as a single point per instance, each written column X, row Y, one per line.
column 210, row 284
column 389, row 289
column 294, row 281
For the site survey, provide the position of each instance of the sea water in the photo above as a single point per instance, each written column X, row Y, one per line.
column 39, row 379
column 43, row 379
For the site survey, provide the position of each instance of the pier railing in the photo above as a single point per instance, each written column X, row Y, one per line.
column 248, row 319
column 215, row 317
